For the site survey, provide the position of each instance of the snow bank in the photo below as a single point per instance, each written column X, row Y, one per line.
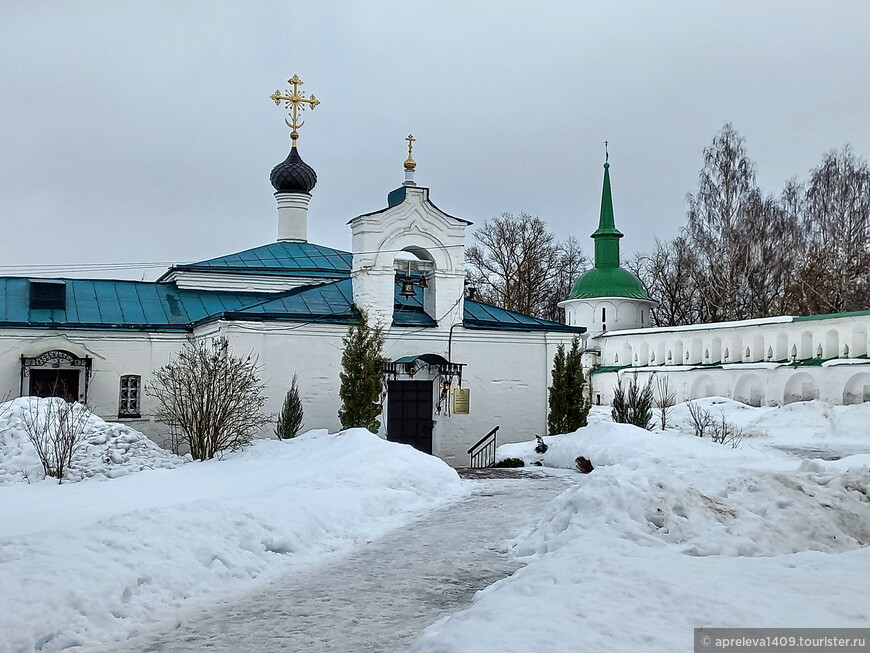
column 671, row 532
column 109, row 450
column 90, row 562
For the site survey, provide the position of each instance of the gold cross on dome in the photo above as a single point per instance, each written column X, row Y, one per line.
column 296, row 102
column 410, row 164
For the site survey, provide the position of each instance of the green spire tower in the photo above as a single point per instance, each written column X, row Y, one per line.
column 607, row 235
column 607, row 279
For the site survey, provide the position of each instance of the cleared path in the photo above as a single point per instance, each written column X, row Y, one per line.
column 380, row 596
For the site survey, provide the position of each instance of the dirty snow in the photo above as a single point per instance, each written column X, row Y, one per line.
column 88, row 562
column 671, row 532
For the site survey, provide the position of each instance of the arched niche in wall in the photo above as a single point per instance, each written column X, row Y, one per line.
column 749, row 390
column 857, row 389
column 800, row 387
column 703, row 386
column 415, row 285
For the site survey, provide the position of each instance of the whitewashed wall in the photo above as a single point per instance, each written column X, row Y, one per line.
column 114, row 354
column 743, row 360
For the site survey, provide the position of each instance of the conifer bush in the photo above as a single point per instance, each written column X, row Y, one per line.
column 569, row 403
column 362, row 363
column 633, row 405
column 290, row 418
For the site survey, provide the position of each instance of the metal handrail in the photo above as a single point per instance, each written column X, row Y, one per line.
column 484, row 450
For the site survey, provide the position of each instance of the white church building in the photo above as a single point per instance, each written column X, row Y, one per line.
column 459, row 367
column 769, row 361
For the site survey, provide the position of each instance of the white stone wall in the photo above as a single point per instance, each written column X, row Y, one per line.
column 752, row 361
column 114, row 354
column 507, row 372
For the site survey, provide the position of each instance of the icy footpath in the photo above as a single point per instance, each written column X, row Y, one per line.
column 378, row 598
column 671, row 532
column 89, row 562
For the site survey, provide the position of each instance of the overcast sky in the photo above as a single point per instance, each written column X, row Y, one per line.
column 143, row 131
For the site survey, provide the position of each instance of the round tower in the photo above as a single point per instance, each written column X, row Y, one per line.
column 607, row 297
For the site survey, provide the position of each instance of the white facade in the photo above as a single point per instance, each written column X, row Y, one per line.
column 435, row 239
column 506, row 371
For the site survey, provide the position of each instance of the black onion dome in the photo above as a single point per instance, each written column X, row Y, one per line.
column 293, row 175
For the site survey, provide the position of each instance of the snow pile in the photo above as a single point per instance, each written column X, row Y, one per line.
column 90, row 562
column 108, row 451
column 671, row 532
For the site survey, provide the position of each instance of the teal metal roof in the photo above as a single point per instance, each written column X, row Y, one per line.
column 328, row 302
column 280, row 258
column 114, row 304
column 485, row 316
column 147, row 306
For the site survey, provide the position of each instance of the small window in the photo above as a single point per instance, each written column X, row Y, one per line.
column 47, row 294
column 131, row 391
column 603, row 314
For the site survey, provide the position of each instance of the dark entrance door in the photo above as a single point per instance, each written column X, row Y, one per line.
column 409, row 413
column 55, row 383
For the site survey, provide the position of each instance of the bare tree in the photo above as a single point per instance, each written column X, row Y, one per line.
column 211, row 400
column 55, row 428
column 571, row 264
column 669, row 274
column 726, row 187
column 516, row 263
column 836, row 218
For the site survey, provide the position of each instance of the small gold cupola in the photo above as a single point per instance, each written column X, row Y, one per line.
column 410, row 164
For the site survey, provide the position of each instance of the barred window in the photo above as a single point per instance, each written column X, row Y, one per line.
column 131, row 390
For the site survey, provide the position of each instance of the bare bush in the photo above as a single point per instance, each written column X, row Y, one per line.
column 665, row 401
column 721, row 431
column 724, row 432
column 701, row 420
column 55, row 428
column 211, row 400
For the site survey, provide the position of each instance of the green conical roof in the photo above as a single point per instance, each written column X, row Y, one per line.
column 607, row 279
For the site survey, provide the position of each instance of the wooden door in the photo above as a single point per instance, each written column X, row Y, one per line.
column 409, row 413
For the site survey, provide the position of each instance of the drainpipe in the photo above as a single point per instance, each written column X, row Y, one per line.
column 450, row 342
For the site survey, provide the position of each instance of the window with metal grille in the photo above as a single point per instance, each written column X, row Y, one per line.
column 131, row 391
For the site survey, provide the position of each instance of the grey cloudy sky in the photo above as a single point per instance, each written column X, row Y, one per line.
column 143, row 131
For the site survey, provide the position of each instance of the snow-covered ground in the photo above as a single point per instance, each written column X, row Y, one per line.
column 90, row 561
column 671, row 532
column 668, row 533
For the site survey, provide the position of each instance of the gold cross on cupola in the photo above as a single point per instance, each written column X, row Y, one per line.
column 410, row 164
column 295, row 101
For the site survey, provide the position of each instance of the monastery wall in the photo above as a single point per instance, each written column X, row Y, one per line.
column 771, row 361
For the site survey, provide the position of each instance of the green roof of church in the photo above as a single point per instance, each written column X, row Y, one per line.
column 608, row 282
column 607, row 279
